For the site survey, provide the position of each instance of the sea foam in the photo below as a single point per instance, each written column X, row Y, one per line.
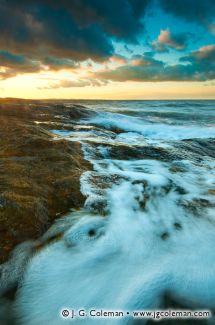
column 147, row 228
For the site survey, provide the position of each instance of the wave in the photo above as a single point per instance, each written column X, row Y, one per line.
column 157, row 131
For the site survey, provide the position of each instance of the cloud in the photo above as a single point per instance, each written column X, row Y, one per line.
column 57, row 35
column 11, row 65
column 205, row 54
column 197, row 66
column 41, row 35
column 19, row 62
column 203, row 60
column 7, row 73
column 75, row 83
column 77, row 30
column 198, row 11
column 118, row 59
column 57, row 64
column 166, row 39
column 60, row 34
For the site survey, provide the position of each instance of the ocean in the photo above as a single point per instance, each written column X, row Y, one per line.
column 147, row 228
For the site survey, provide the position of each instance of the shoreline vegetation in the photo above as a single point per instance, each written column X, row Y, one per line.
column 39, row 176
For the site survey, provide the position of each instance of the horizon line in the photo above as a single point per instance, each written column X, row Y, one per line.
column 105, row 99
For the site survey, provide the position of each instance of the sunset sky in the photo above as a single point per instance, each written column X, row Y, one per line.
column 110, row 49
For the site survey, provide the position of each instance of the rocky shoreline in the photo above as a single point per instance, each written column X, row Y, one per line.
column 39, row 176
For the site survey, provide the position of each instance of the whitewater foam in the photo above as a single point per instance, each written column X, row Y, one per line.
column 147, row 228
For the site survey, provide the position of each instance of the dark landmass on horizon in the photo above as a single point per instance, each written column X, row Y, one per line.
column 51, row 100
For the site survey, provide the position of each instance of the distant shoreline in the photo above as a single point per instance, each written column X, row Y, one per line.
column 11, row 99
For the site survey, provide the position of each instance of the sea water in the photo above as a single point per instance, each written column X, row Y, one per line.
column 148, row 225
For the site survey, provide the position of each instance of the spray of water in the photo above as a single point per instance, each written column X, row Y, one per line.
column 147, row 229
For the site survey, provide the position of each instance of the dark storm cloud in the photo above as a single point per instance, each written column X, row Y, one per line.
column 42, row 30
column 77, row 29
column 59, row 34
column 199, row 11
column 198, row 66
column 121, row 18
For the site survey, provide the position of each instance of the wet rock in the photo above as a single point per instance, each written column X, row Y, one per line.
column 211, row 191
column 178, row 167
column 196, row 149
column 165, row 236
column 39, row 177
column 197, row 205
column 177, row 226
column 79, row 111
column 145, row 152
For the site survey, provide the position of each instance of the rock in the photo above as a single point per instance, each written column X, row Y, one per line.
column 39, row 177
column 143, row 152
column 211, row 191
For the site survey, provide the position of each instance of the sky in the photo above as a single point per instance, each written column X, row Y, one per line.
column 107, row 49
